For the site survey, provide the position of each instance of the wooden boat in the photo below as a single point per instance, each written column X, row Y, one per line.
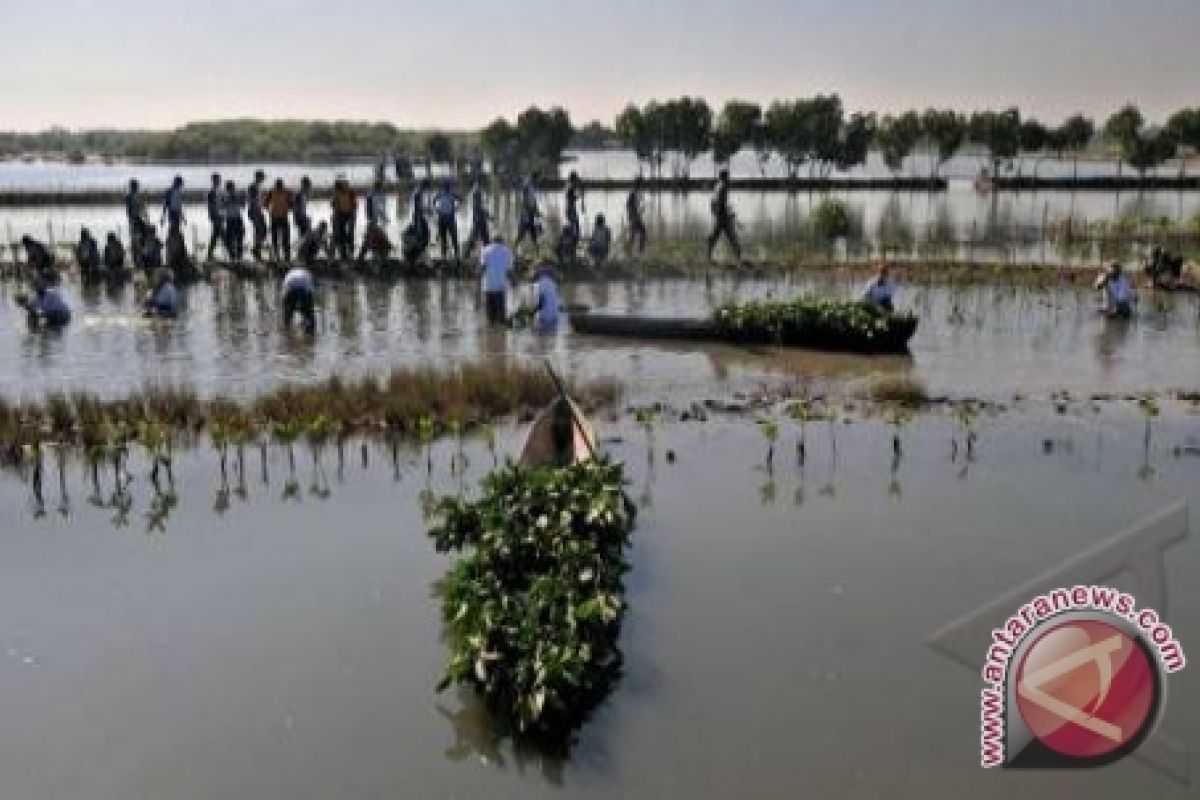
column 560, row 435
column 894, row 339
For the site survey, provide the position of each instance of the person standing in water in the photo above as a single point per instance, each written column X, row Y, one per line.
column 375, row 239
column 216, row 218
column 1119, row 294
column 279, row 205
column 172, row 207
column 573, row 199
column 344, row 212
column 496, row 262
column 635, row 218
column 479, row 218
column 445, row 206
column 724, row 220
column 254, row 207
column 528, row 216
column 114, row 255
column 87, row 255
column 135, row 217
column 418, row 211
column 601, row 242
column 47, row 307
column 231, row 220
column 300, row 208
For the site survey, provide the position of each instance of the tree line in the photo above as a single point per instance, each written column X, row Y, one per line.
column 814, row 133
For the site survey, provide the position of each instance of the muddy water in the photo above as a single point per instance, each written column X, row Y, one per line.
column 776, row 644
column 989, row 341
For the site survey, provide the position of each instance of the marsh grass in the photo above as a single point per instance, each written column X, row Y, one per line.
column 408, row 403
column 898, row 391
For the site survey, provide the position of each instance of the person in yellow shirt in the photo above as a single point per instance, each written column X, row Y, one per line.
column 278, row 203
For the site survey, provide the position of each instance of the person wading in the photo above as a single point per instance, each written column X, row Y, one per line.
column 172, row 208
column 135, row 217
column 724, row 221
column 279, row 205
column 299, row 297
column 216, row 217
column 233, row 225
column 300, row 208
column 497, row 263
column 635, row 218
column 445, row 206
column 254, row 208
column 479, row 218
column 344, row 212
column 528, row 221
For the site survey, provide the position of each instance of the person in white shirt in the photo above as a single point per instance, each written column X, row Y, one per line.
column 299, row 294
column 881, row 292
column 546, row 308
column 497, row 263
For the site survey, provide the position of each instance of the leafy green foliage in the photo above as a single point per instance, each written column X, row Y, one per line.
column 809, row 319
column 945, row 130
column 999, row 132
column 533, row 606
column 897, row 136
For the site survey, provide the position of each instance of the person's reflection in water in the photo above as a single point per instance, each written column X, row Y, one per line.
column 346, row 309
column 1112, row 337
column 416, row 297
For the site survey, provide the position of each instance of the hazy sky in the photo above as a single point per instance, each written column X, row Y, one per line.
column 460, row 63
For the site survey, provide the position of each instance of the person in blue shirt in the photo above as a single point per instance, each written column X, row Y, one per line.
column 47, row 307
column 163, row 299
column 445, row 207
column 545, row 309
column 496, row 263
column 881, row 291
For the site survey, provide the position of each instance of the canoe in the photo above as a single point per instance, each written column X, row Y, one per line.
column 894, row 339
column 560, row 435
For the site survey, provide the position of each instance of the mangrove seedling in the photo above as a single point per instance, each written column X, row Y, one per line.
column 1148, row 406
column 426, row 431
column 488, row 433
column 769, row 428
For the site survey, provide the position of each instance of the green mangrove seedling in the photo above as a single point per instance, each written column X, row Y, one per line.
column 769, row 428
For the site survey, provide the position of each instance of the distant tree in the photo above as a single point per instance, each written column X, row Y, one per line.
column 854, row 141
column 499, row 140
column 592, row 136
column 438, row 148
column 788, row 135
column 1033, row 138
column 687, row 124
column 1073, row 136
column 760, row 142
column 1136, row 145
column 945, row 130
column 1184, row 127
column 632, row 129
column 896, row 138
column 998, row 132
column 824, row 119
column 542, row 136
column 734, row 128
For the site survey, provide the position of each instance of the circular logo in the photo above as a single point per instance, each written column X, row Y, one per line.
column 1087, row 689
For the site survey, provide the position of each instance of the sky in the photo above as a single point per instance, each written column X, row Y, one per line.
column 461, row 63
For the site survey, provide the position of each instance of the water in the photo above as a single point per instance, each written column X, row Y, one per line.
column 958, row 223
column 988, row 340
column 775, row 644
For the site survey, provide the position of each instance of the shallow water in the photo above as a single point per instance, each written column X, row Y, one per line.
column 958, row 223
column 988, row 341
column 775, row 646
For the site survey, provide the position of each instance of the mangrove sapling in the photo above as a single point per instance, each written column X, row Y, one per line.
column 647, row 417
column 803, row 412
column 318, row 431
column 64, row 498
column 286, row 432
column 1148, row 406
column 769, row 428
column 35, row 457
column 426, row 431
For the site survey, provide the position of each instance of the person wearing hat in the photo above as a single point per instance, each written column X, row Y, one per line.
column 163, row 298
column 254, row 207
column 601, row 242
column 496, row 262
column 723, row 217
